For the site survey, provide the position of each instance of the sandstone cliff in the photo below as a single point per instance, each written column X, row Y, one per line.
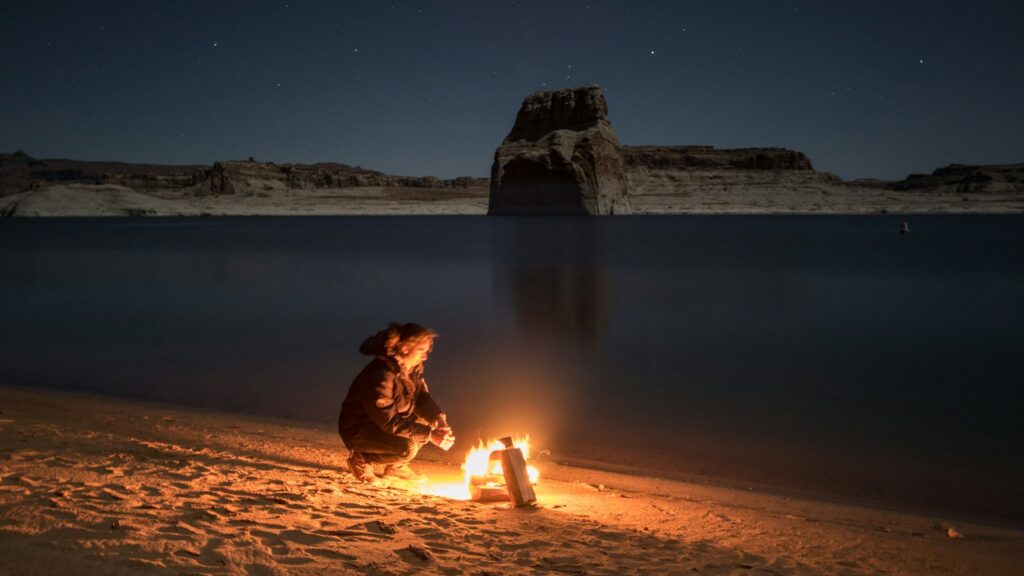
column 561, row 157
column 711, row 158
column 703, row 179
column 661, row 178
column 967, row 179
column 31, row 187
column 20, row 172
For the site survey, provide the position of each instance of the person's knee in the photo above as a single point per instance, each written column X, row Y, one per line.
column 411, row 449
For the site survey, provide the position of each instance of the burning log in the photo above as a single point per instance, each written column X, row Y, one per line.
column 493, row 471
column 505, row 475
column 517, row 480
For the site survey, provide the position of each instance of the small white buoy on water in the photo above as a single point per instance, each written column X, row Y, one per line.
column 904, row 227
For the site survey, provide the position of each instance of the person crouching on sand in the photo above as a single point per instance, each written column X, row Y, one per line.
column 388, row 414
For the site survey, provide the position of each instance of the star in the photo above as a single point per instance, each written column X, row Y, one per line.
column 921, row 61
column 652, row 52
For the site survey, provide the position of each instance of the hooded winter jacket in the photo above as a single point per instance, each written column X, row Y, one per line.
column 383, row 396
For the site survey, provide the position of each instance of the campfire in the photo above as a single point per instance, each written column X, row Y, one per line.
column 486, row 477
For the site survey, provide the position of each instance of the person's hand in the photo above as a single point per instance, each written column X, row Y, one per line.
column 441, row 421
column 442, row 438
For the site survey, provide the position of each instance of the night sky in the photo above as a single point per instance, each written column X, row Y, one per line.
column 864, row 88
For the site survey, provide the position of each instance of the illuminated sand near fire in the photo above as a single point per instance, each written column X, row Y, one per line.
column 92, row 485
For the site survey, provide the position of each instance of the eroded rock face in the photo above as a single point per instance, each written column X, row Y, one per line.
column 709, row 158
column 561, row 157
column 967, row 179
column 667, row 179
column 19, row 172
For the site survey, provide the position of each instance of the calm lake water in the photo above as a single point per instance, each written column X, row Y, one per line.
column 821, row 353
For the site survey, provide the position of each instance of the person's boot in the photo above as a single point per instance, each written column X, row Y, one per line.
column 403, row 472
column 360, row 468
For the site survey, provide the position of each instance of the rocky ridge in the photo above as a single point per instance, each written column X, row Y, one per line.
column 31, row 187
column 20, row 172
column 702, row 179
column 967, row 179
column 709, row 158
column 661, row 176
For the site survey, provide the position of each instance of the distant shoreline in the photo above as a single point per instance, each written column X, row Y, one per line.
column 662, row 181
column 81, row 200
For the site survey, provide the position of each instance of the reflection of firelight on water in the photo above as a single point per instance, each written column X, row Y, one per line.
column 478, row 464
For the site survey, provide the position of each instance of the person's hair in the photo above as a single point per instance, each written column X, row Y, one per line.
column 399, row 339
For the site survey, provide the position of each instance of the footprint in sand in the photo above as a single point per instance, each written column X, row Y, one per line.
column 374, row 531
column 351, row 511
column 23, row 455
column 567, row 564
column 607, row 535
column 119, row 488
column 377, row 526
column 151, row 491
column 415, row 554
column 177, row 534
column 302, row 537
column 503, row 534
column 59, row 514
column 59, row 462
column 187, row 552
column 288, row 499
column 428, row 523
column 430, row 533
column 105, row 470
column 330, row 553
column 26, row 481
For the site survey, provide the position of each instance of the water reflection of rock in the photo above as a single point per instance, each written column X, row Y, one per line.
column 552, row 278
column 551, row 284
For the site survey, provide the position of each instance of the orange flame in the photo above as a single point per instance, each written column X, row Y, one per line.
column 479, row 465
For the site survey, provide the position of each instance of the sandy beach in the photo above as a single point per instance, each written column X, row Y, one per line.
column 97, row 485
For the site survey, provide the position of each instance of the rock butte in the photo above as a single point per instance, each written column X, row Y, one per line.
column 561, row 157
